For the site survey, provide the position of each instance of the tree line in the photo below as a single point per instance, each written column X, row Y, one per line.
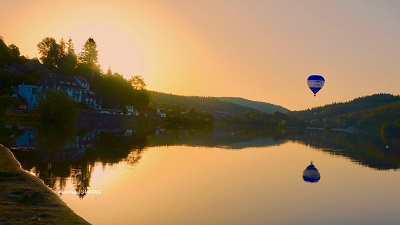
column 60, row 57
column 378, row 112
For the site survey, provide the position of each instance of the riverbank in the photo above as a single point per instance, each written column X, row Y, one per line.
column 24, row 199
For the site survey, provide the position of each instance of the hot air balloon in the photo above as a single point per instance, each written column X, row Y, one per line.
column 315, row 83
column 311, row 174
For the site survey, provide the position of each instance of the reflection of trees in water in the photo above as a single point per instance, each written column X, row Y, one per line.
column 133, row 157
column 54, row 166
column 58, row 158
column 53, row 174
column 53, row 137
column 235, row 137
column 80, row 175
column 365, row 149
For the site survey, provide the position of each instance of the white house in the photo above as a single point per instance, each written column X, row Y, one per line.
column 130, row 110
column 160, row 112
column 75, row 87
column 65, row 84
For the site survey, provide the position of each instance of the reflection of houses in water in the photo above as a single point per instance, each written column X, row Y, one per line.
column 76, row 174
column 75, row 149
column 311, row 174
column 129, row 133
column 159, row 131
column 72, row 150
column 27, row 138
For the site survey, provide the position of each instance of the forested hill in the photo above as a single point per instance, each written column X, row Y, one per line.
column 262, row 106
column 210, row 104
column 369, row 112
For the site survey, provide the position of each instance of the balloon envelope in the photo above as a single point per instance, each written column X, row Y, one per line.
column 315, row 83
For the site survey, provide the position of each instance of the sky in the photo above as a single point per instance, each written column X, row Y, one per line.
column 261, row 50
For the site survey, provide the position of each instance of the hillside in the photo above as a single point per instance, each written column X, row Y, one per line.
column 369, row 112
column 210, row 104
column 261, row 106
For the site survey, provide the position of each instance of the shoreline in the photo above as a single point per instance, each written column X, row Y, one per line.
column 25, row 199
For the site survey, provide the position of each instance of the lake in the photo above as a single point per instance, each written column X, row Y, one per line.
column 220, row 176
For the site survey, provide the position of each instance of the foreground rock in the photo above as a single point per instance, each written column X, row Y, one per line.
column 24, row 199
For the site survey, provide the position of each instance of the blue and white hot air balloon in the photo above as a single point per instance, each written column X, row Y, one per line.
column 315, row 83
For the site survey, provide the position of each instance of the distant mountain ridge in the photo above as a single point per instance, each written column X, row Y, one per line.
column 261, row 106
column 212, row 104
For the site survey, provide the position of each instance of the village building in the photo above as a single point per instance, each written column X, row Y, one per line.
column 75, row 87
column 31, row 94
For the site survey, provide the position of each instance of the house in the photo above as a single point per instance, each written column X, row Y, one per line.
column 31, row 94
column 130, row 110
column 160, row 112
column 27, row 138
column 75, row 87
column 64, row 84
column 93, row 100
column 16, row 68
column 83, row 82
column 33, row 64
column 221, row 114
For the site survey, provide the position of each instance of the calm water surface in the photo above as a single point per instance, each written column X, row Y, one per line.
column 254, row 180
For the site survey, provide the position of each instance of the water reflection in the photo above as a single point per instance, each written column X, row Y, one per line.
column 365, row 149
column 53, row 137
column 57, row 154
column 311, row 174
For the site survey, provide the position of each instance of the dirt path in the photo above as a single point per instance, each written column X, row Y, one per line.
column 24, row 199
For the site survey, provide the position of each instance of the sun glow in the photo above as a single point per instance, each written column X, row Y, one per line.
column 260, row 50
column 118, row 50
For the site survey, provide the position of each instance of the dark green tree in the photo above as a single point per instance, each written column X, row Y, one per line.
column 14, row 51
column 88, row 59
column 6, row 102
column 117, row 92
column 5, row 54
column 57, row 107
column 140, row 99
column 69, row 60
column 50, row 52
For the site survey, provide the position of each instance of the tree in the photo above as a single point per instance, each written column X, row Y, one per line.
column 50, row 52
column 109, row 72
column 88, row 58
column 57, row 107
column 70, row 59
column 5, row 54
column 137, row 82
column 5, row 103
column 140, row 99
column 14, row 50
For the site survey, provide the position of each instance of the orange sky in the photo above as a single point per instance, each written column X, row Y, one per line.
column 260, row 50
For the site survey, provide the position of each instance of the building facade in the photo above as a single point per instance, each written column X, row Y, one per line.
column 75, row 87
column 31, row 94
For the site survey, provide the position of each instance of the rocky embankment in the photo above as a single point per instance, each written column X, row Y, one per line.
column 24, row 199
